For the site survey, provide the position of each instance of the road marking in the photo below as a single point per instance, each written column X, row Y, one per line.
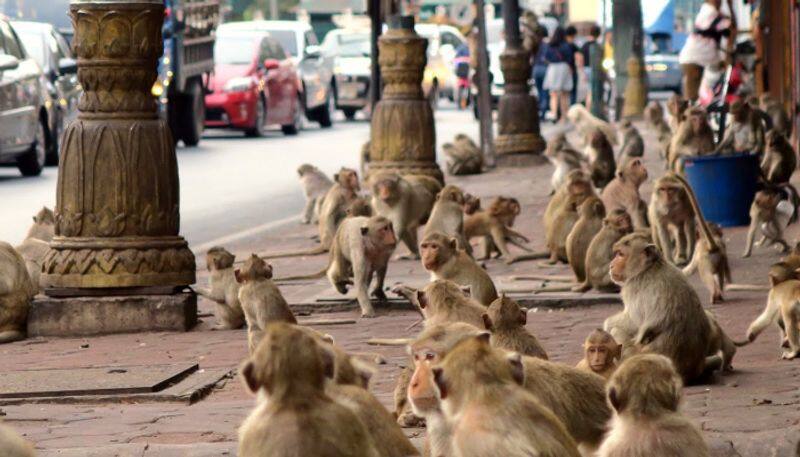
column 201, row 248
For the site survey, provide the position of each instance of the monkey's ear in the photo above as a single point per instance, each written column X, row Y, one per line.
column 441, row 385
column 268, row 271
column 328, row 361
column 651, row 251
column 364, row 230
column 238, row 275
column 487, row 322
column 453, row 243
column 248, row 376
column 517, row 370
column 613, row 399
column 421, row 299
column 484, row 338
column 523, row 316
column 466, row 290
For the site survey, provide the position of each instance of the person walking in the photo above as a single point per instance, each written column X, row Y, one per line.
column 588, row 76
column 539, row 71
column 558, row 78
column 575, row 61
column 702, row 48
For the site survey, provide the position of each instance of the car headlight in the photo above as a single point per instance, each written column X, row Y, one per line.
column 658, row 67
column 240, row 84
column 158, row 89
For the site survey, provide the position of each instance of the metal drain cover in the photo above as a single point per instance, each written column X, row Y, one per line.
column 114, row 380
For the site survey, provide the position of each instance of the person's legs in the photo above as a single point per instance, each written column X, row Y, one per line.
column 554, row 95
column 692, row 75
column 564, row 97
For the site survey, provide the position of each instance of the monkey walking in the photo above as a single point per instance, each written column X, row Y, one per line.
column 783, row 310
column 493, row 226
column 766, row 216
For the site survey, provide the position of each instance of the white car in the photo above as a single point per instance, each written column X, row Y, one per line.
column 443, row 41
column 350, row 50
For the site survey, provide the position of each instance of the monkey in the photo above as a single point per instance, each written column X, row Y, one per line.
column 720, row 343
column 36, row 243
column 362, row 248
column 564, row 217
column 600, row 252
column 223, row 288
column 564, row 158
column 43, row 227
column 745, row 134
column 587, row 124
column 506, row 320
column 289, row 370
column 13, row 445
column 779, row 161
column 471, row 204
column 780, row 121
column 261, row 300
column 693, row 138
column 475, row 382
column 365, row 160
column 406, row 201
column 654, row 114
column 494, row 226
column 592, row 212
column 676, row 106
column 447, row 216
column 782, row 309
column 601, row 354
column 600, row 155
column 712, row 266
column 632, row 143
column 441, row 257
column 359, row 207
column 16, row 292
column 315, row 185
column 661, row 311
column 645, row 392
column 766, row 218
column 663, row 134
column 576, row 182
column 442, row 301
column 623, row 192
column 465, row 158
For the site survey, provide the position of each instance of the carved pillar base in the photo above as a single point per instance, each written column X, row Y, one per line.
column 518, row 112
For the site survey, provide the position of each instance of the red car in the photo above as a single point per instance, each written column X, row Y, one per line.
column 254, row 85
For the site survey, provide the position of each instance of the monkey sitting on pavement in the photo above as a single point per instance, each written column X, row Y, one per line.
column 600, row 155
column 315, row 185
column 564, row 217
column 590, row 221
column 600, row 252
column 779, row 161
column 16, row 292
column 745, row 135
column 287, row 371
column 465, row 158
column 37, row 242
column 720, row 343
column 694, row 138
column 632, row 143
column 506, row 320
column 601, row 354
column 261, row 300
column 442, row 258
column 493, row 225
column 623, row 192
column 645, row 392
column 654, row 115
column 447, row 216
column 587, row 124
column 223, row 288
column 564, row 158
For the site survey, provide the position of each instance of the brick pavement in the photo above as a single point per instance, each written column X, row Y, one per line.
column 752, row 412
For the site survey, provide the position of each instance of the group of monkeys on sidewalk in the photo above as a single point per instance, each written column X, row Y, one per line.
column 477, row 378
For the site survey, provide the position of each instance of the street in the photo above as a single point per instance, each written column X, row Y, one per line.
column 231, row 186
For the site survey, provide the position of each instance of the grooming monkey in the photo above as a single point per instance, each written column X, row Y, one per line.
column 645, row 392
column 783, row 310
column 600, row 252
column 315, row 185
column 661, row 311
column 587, row 123
column 693, row 138
column 406, row 201
column 590, row 221
column 632, row 143
column 494, row 227
column 601, row 353
column 37, row 242
column 16, row 292
column 506, row 320
column 288, row 368
column 359, row 207
column 223, row 288
column 261, row 300
column 475, row 381
column 564, row 158
column 13, row 445
column 600, row 155
column 745, row 134
column 362, row 248
column 441, row 257
column 764, row 218
column 623, row 192
column 712, row 265
column 447, row 216
column 471, row 204
column 465, row 158
column 443, row 302
column 779, row 161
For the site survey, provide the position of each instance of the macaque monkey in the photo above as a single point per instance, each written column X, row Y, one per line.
column 587, row 124
column 720, row 343
column 261, row 300
column 315, row 185
column 447, row 216
column 16, row 292
column 359, row 207
column 783, row 310
column 223, row 288
column 600, row 252
column 764, row 218
column 37, row 242
column 13, row 445
column 712, row 266
column 364, row 161
column 441, row 257
column 564, row 218
column 494, row 227
column 780, row 120
column 600, row 155
column 745, row 134
column 779, row 161
column 623, row 192
column 362, row 248
column 676, row 106
column 645, row 392
column 287, row 371
column 564, row 158
column 590, row 221
column 443, row 302
column 406, row 201
column 471, row 204
column 632, row 143
column 601, row 353
column 654, row 115
column 479, row 388
column 661, row 311
column 465, row 157
column 506, row 320
column 694, row 138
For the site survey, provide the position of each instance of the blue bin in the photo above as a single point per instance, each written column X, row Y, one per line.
column 725, row 186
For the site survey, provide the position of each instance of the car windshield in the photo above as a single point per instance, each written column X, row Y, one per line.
column 659, row 43
column 233, row 50
column 34, row 45
column 354, row 45
column 287, row 39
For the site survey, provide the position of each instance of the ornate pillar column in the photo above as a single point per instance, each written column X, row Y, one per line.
column 117, row 215
column 517, row 111
column 403, row 135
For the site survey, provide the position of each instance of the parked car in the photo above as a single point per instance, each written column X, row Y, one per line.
column 23, row 101
column 350, row 50
column 50, row 50
column 314, row 69
column 440, row 76
column 254, row 84
column 661, row 63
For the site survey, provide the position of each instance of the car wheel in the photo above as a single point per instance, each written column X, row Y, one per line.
column 52, row 145
column 349, row 113
column 325, row 112
column 297, row 121
column 32, row 162
column 192, row 121
column 260, row 128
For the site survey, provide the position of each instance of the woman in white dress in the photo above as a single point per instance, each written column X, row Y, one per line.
column 558, row 79
column 702, row 48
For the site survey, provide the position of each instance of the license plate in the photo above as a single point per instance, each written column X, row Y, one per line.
column 348, row 91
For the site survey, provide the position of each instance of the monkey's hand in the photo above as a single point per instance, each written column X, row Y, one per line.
column 401, row 290
column 789, row 355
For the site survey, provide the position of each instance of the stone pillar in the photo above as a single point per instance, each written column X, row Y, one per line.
column 117, row 215
column 518, row 113
column 403, row 136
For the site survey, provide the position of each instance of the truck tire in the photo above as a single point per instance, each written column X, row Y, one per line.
column 31, row 163
column 191, row 121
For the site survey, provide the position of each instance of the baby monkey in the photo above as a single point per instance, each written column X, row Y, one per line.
column 601, row 354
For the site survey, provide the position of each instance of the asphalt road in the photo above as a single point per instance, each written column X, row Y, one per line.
column 231, row 186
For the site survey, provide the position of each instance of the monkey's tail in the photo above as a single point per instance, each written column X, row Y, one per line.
column 712, row 244
column 313, row 251
column 317, row 275
column 741, row 343
column 746, row 287
column 531, row 256
column 9, row 336
column 794, row 199
column 389, row 341
column 551, row 278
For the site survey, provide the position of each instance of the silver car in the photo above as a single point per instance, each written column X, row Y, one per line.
column 350, row 49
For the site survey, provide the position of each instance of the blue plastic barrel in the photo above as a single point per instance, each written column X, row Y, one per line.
column 725, row 186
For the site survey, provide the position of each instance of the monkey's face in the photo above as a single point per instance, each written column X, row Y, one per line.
column 699, row 122
column 348, row 179
column 740, row 111
column 421, row 391
column 669, row 194
column 636, row 171
column 632, row 256
column 619, row 220
column 598, row 356
column 435, row 252
column 45, row 216
column 386, row 190
column 471, row 204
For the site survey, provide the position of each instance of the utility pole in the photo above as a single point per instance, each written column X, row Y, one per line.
column 484, row 94
column 376, row 24
column 273, row 10
column 628, row 43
